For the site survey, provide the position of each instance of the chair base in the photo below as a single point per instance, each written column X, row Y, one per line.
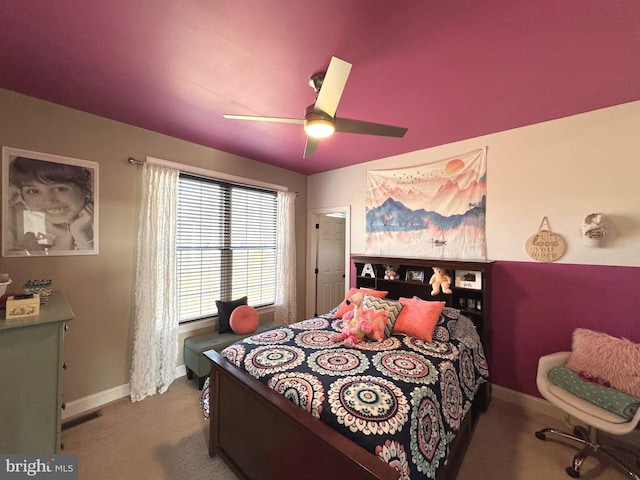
column 581, row 436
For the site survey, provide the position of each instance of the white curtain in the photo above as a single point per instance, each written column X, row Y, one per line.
column 155, row 330
column 285, row 302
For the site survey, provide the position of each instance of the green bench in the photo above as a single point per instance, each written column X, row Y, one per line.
column 194, row 347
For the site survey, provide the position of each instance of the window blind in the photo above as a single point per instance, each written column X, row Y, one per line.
column 226, row 245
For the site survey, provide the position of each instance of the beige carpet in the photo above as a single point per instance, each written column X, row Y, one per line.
column 504, row 446
column 162, row 437
column 165, row 437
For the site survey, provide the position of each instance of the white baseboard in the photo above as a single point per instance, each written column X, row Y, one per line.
column 524, row 400
column 92, row 402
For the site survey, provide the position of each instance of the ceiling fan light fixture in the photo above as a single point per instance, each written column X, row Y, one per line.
column 319, row 128
column 318, row 124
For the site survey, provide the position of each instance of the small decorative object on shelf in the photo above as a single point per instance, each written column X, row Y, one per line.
column 390, row 272
column 367, row 271
column 25, row 305
column 468, row 279
column 42, row 287
column 440, row 280
column 415, row 276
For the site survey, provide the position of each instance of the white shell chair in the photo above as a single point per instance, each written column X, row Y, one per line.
column 587, row 413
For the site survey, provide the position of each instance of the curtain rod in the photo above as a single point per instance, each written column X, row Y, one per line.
column 136, row 162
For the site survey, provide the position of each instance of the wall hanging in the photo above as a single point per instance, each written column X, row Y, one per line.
column 49, row 204
column 544, row 245
column 594, row 230
column 435, row 210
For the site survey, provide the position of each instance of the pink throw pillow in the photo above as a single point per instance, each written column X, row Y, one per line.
column 244, row 319
column 616, row 360
column 418, row 318
column 344, row 308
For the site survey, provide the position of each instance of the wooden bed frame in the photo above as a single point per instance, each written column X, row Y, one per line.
column 262, row 435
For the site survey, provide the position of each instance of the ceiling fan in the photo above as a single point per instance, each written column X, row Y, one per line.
column 319, row 120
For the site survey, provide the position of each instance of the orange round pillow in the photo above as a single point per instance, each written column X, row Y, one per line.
column 244, row 319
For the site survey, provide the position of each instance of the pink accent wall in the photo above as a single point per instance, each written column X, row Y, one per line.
column 536, row 307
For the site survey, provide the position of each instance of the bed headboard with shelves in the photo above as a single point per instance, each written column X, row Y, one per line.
column 470, row 285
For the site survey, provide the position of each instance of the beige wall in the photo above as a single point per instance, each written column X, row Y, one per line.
column 100, row 287
column 563, row 169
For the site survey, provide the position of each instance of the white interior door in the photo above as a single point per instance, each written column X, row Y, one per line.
column 330, row 275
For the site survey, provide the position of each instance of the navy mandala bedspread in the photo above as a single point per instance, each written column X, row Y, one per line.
column 402, row 399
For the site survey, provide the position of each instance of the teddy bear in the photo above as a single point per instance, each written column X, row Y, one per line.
column 440, row 279
column 390, row 272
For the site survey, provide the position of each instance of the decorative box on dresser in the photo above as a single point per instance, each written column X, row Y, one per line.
column 31, row 366
column 470, row 285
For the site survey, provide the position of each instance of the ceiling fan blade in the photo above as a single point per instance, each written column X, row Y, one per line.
column 310, row 147
column 347, row 125
column 332, row 86
column 264, row 119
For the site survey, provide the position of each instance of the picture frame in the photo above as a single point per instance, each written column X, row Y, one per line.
column 49, row 204
column 468, row 279
column 414, row 276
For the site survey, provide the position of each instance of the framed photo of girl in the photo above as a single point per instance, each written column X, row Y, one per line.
column 49, row 204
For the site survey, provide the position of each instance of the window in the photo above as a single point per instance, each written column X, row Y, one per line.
column 226, row 245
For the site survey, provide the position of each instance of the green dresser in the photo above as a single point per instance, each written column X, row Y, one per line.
column 31, row 366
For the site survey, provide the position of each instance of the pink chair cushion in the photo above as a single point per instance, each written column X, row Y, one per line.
column 244, row 319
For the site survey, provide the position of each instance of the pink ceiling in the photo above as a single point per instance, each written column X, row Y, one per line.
column 447, row 70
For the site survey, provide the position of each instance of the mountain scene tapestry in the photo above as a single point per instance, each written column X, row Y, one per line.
column 435, row 210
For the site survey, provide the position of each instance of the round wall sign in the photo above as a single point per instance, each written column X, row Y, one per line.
column 545, row 246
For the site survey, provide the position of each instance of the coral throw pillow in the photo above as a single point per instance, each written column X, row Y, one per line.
column 418, row 318
column 614, row 359
column 344, row 308
column 244, row 319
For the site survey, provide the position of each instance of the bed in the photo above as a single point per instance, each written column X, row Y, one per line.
column 292, row 403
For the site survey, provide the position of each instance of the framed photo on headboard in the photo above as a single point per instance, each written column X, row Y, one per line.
column 468, row 279
column 415, row 276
